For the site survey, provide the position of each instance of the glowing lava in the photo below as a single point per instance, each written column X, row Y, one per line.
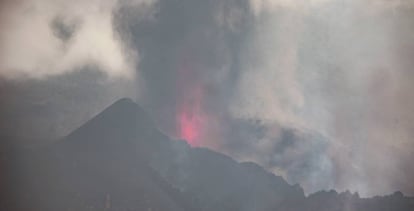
column 190, row 119
column 188, row 124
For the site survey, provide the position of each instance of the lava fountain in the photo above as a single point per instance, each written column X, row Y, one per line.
column 190, row 115
column 191, row 118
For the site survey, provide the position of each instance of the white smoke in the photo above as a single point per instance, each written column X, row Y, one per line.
column 338, row 68
column 49, row 37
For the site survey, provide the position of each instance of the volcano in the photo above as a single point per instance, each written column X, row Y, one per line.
column 120, row 161
column 100, row 166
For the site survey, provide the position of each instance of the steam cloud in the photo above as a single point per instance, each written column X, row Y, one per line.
column 47, row 37
column 317, row 91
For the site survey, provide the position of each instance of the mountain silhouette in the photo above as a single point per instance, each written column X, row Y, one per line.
column 100, row 166
column 119, row 160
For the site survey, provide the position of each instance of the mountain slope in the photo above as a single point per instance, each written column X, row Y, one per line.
column 99, row 166
column 119, row 161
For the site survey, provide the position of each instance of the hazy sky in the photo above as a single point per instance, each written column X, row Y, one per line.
column 318, row 91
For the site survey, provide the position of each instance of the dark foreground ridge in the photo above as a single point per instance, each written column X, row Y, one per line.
column 119, row 161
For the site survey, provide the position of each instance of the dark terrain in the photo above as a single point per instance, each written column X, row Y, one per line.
column 120, row 161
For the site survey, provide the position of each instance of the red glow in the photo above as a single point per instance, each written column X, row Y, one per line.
column 189, row 128
column 190, row 118
column 190, row 115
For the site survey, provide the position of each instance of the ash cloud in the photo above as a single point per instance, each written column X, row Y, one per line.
column 212, row 46
column 189, row 49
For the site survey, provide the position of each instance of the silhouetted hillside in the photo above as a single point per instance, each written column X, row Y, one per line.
column 120, row 161
column 100, row 166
